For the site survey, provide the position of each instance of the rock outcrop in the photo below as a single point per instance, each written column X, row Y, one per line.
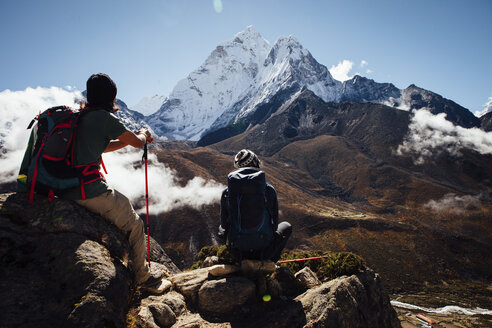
column 62, row 266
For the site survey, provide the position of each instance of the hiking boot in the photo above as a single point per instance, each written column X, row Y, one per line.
column 155, row 285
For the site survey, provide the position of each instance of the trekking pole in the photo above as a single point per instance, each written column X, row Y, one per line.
column 144, row 158
column 301, row 260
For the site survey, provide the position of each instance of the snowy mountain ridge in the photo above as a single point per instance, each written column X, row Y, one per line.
column 149, row 105
column 246, row 73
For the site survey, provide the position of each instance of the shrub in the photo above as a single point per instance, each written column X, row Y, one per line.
column 331, row 266
column 224, row 256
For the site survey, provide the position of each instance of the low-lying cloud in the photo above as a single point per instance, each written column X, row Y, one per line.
column 430, row 134
column 17, row 109
column 126, row 173
column 453, row 203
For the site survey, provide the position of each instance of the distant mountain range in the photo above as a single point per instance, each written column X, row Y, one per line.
column 245, row 80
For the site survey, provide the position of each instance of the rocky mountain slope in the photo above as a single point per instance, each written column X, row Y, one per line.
column 63, row 266
column 133, row 120
column 343, row 186
column 339, row 198
column 486, row 122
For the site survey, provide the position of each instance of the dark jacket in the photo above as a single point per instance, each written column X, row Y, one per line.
column 271, row 203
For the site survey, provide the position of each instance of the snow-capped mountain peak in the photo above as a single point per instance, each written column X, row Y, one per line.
column 149, row 105
column 245, row 79
column 286, row 47
column 249, row 37
column 197, row 101
column 238, row 76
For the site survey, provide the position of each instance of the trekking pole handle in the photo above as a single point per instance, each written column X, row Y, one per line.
column 144, row 156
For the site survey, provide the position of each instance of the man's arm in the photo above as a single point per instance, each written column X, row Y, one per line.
column 129, row 138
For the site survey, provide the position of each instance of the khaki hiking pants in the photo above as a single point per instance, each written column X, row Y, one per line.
column 117, row 209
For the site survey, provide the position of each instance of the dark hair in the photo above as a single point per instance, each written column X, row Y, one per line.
column 101, row 91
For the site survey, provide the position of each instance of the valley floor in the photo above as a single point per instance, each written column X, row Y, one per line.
column 445, row 312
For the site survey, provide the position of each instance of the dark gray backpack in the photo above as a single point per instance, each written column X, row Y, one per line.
column 250, row 222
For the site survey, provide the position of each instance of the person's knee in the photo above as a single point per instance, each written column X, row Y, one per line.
column 285, row 229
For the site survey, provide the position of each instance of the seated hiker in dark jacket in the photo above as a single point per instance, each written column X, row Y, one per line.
column 249, row 213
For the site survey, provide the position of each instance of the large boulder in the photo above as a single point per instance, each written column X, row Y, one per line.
column 356, row 301
column 188, row 283
column 226, row 295
column 61, row 265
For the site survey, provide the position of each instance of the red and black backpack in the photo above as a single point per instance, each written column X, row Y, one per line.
column 48, row 166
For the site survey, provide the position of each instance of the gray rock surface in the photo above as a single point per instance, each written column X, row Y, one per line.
column 355, row 301
column 209, row 261
column 345, row 302
column 61, row 266
column 188, row 283
column 226, row 295
column 306, row 278
column 163, row 315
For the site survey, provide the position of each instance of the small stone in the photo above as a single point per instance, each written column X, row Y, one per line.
column 145, row 318
column 158, row 270
column 163, row 314
column 306, row 278
column 172, row 299
column 222, row 270
column 160, row 288
column 209, row 261
column 286, row 282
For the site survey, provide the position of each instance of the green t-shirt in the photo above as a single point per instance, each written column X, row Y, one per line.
column 96, row 129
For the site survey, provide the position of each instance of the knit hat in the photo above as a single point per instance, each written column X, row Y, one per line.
column 101, row 90
column 246, row 158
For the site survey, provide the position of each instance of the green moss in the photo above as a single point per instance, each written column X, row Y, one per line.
column 224, row 256
column 332, row 265
column 220, row 251
column 207, row 251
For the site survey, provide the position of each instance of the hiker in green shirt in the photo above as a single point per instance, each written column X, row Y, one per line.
column 101, row 131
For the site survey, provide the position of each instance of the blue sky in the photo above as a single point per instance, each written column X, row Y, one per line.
column 147, row 46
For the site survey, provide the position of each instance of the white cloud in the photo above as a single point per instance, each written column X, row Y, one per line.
column 341, row 71
column 363, row 63
column 453, row 203
column 429, row 134
column 487, row 108
column 369, row 71
column 126, row 174
column 17, row 108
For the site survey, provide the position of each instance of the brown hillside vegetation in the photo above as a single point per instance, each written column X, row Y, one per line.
column 386, row 223
column 343, row 188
